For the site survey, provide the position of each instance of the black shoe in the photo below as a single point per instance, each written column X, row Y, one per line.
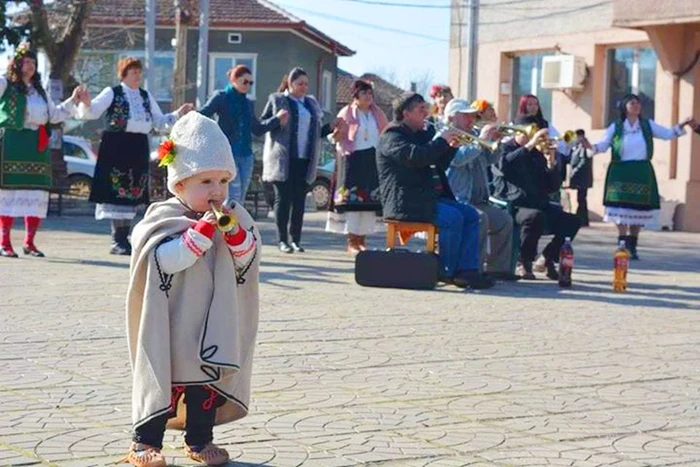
column 8, row 253
column 285, row 248
column 524, row 270
column 504, row 276
column 120, row 250
column 473, row 280
column 552, row 272
column 446, row 280
column 32, row 251
column 632, row 247
column 297, row 247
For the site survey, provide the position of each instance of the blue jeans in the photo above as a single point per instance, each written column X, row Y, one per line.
column 459, row 237
column 238, row 188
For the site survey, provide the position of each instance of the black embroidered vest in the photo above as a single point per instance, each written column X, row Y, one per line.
column 118, row 111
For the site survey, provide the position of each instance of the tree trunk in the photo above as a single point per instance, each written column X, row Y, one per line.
column 62, row 52
column 182, row 21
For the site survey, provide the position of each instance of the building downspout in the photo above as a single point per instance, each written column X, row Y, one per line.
column 675, row 118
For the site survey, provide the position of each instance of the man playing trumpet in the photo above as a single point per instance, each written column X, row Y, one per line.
column 526, row 177
column 468, row 178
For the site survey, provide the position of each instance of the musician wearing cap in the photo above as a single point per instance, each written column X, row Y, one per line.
column 414, row 188
column 468, row 178
column 525, row 177
column 25, row 160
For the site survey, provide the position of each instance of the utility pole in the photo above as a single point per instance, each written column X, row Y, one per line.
column 150, row 39
column 183, row 16
column 472, row 24
column 202, row 58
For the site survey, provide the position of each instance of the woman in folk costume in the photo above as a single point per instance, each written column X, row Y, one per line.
column 25, row 159
column 120, row 184
column 631, row 195
column 355, row 199
column 192, row 302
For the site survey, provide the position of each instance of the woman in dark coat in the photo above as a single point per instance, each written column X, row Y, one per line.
column 291, row 154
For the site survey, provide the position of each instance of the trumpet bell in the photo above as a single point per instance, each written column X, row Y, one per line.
column 224, row 222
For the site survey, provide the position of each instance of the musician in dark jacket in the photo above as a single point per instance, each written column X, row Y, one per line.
column 581, row 175
column 414, row 189
column 525, row 177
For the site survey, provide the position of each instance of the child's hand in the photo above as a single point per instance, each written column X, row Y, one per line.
column 227, row 210
column 210, row 218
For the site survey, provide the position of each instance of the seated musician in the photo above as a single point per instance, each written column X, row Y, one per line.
column 526, row 177
column 414, row 189
column 468, row 179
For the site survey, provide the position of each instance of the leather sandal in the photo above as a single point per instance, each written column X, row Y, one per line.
column 144, row 455
column 211, row 454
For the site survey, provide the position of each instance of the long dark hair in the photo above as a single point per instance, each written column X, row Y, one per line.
column 292, row 76
column 14, row 74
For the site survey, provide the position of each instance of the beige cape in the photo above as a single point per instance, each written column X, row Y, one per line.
column 194, row 327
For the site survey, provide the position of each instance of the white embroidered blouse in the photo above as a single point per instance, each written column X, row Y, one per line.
column 634, row 148
column 40, row 112
column 139, row 121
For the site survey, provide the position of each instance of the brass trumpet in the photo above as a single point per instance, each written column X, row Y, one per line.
column 507, row 129
column 224, row 222
column 464, row 137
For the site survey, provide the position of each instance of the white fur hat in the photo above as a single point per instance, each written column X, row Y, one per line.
column 200, row 145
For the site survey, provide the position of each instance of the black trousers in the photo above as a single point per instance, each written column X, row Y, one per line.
column 201, row 402
column 290, row 195
column 532, row 223
column 582, row 210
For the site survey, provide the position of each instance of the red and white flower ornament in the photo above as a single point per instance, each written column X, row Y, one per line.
column 166, row 153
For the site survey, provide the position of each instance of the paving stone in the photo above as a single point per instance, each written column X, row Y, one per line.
column 523, row 374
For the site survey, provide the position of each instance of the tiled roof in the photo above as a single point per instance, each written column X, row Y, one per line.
column 222, row 13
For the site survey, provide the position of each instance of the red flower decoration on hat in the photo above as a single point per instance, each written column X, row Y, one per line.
column 166, row 153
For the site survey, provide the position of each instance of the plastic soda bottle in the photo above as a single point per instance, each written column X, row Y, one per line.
column 621, row 263
column 566, row 263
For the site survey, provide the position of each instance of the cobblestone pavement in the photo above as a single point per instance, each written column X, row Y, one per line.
column 524, row 374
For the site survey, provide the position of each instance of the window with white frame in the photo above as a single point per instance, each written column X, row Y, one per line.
column 327, row 91
column 98, row 69
column 221, row 63
column 527, row 78
column 630, row 70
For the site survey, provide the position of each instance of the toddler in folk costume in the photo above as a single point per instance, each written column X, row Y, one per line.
column 192, row 303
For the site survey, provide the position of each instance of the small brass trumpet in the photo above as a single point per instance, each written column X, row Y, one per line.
column 464, row 137
column 224, row 222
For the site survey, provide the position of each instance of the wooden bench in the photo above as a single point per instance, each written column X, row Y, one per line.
column 405, row 230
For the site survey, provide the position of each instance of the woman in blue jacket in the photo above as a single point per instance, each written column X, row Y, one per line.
column 238, row 122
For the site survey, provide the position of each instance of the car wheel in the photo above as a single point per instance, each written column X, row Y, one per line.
column 79, row 186
column 321, row 192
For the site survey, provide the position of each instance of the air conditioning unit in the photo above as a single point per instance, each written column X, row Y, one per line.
column 563, row 72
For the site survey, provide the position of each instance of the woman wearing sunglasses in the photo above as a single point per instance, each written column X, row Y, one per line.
column 238, row 121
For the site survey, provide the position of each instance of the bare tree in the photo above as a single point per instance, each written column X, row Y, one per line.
column 422, row 79
column 388, row 74
column 61, row 44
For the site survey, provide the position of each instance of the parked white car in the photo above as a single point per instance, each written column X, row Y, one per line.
column 80, row 159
